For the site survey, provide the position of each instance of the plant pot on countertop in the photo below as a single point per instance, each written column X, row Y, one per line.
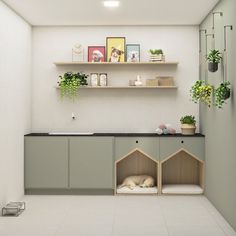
column 212, row 66
column 188, row 129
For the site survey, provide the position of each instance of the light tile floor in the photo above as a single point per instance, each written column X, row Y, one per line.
column 116, row 216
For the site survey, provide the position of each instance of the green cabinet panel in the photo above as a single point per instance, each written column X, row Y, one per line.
column 46, row 162
column 170, row 145
column 124, row 145
column 91, row 162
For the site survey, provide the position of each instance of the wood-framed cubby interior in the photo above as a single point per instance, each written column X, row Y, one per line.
column 135, row 163
column 182, row 168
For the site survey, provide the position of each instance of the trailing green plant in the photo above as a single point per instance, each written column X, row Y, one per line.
column 201, row 92
column 221, row 94
column 69, row 84
column 214, row 56
column 188, row 119
column 156, row 51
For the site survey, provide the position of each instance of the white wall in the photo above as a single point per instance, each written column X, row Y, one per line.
column 15, row 75
column 113, row 110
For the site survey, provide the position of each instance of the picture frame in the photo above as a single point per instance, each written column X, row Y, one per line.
column 133, row 53
column 96, row 54
column 115, row 49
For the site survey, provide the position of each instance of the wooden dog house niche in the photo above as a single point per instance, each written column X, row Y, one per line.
column 182, row 173
column 133, row 164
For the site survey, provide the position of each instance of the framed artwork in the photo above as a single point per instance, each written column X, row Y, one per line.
column 115, row 48
column 96, row 54
column 133, row 52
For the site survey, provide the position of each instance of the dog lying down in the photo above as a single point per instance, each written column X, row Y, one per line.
column 143, row 181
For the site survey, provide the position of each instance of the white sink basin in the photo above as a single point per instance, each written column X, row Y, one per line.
column 70, row 133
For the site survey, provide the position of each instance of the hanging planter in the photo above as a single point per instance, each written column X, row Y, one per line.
column 213, row 58
column 222, row 93
column 212, row 66
column 201, row 92
column 69, row 84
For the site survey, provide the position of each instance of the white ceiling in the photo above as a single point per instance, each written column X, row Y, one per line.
column 130, row 12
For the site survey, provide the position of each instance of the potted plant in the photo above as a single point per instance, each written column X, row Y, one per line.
column 222, row 93
column 69, row 84
column 213, row 58
column 156, row 55
column 201, row 92
column 188, row 125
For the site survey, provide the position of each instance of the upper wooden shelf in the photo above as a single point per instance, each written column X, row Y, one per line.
column 116, row 64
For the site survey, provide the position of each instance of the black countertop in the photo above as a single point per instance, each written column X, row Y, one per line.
column 117, row 135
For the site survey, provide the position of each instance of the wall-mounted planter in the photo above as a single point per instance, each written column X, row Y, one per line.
column 212, row 66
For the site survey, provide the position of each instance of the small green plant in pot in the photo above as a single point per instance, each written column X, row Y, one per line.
column 156, row 55
column 69, row 84
column 201, row 92
column 213, row 58
column 222, row 93
column 188, row 125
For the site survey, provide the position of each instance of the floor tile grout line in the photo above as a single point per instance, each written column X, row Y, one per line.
column 214, row 219
column 163, row 216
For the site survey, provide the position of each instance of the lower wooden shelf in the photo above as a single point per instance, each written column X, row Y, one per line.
column 182, row 189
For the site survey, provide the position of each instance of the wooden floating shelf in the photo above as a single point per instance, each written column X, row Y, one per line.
column 113, row 64
column 127, row 87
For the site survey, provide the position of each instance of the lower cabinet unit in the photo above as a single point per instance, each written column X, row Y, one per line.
column 46, row 162
column 91, row 162
column 99, row 164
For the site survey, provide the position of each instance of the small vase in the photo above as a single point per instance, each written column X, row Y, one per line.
column 212, row 66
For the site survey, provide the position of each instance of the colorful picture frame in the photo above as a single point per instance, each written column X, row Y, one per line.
column 133, row 52
column 115, row 49
column 96, row 54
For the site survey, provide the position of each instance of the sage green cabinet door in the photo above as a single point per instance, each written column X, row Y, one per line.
column 91, row 162
column 125, row 145
column 170, row 145
column 46, row 162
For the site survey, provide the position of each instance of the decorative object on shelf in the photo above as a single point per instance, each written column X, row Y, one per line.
column 156, row 55
column 115, row 49
column 222, row 93
column 69, row 84
column 103, row 79
column 77, row 53
column 94, row 79
column 133, row 52
column 213, row 58
column 13, row 209
column 165, row 81
column 138, row 81
column 165, row 129
column 132, row 82
column 188, row 126
column 96, row 53
column 201, row 92
column 152, row 82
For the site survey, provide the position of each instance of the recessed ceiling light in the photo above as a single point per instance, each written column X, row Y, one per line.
column 111, row 3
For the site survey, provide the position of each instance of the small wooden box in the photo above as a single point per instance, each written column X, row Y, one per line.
column 165, row 81
column 152, row 82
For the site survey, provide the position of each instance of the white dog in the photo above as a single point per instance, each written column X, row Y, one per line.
column 144, row 181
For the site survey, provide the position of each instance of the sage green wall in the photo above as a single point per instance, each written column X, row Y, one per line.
column 219, row 124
